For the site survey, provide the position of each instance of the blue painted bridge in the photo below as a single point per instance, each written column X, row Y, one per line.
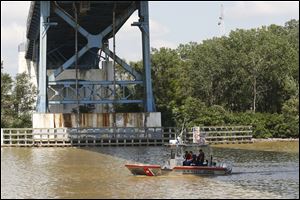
column 69, row 36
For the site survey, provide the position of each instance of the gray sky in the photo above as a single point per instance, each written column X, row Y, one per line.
column 171, row 23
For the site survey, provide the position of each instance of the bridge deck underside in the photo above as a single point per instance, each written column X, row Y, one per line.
column 62, row 36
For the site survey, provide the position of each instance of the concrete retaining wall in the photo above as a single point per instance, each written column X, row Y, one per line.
column 95, row 120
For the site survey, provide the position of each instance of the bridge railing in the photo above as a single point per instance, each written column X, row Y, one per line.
column 66, row 136
column 222, row 134
column 117, row 135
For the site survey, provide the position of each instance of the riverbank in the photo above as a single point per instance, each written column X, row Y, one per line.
column 275, row 139
column 289, row 146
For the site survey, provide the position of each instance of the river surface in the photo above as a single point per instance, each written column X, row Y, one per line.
column 260, row 170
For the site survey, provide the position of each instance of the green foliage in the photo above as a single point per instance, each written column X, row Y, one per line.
column 188, row 112
column 290, row 112
column 291, row 108
column 250, row 77
column 6, row 99
column 23, row 95
column 17, row 101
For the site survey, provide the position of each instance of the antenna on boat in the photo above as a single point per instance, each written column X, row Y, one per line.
column 181, row 132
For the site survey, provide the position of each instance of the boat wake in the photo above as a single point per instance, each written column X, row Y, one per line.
column 260, row 172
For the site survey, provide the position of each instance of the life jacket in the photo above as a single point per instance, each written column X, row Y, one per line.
column 189, row 156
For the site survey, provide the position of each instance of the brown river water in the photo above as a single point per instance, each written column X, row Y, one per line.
column 260, row 170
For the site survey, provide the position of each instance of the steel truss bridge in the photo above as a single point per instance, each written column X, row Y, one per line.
column 68, row 35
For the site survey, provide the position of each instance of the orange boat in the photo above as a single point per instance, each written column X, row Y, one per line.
column 147, row 170
column 174, row 166
column 157, row 170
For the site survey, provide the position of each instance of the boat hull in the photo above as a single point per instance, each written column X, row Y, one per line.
column 156, row 170
column 202, row 170
column 147, row 170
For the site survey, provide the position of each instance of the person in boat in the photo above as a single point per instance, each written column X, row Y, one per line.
column 185, row 155
column 185, row 158
column 200, row 158
column 188, row 158
column 194, row 159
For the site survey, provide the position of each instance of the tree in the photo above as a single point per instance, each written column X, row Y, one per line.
column 17, row 101
column 24, row 94
column 6, row 100
column 166, row 83
column 290, row 111
column 249, row 77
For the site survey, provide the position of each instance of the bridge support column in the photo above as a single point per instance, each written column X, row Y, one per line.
column 42, row 84
column 144, row 26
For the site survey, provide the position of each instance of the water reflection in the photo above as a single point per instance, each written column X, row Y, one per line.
column 100, row 173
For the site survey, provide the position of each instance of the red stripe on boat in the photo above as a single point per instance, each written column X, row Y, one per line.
column 148, row 171
column 199, row 168
column 142, row 166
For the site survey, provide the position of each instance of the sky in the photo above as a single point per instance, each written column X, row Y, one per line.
column 171, row 23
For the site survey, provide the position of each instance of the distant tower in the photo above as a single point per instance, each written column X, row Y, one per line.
column 22, row 61
column 24, row 65
column 221, row 23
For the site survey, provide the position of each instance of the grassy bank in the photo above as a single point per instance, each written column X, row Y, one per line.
column 271, row 145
